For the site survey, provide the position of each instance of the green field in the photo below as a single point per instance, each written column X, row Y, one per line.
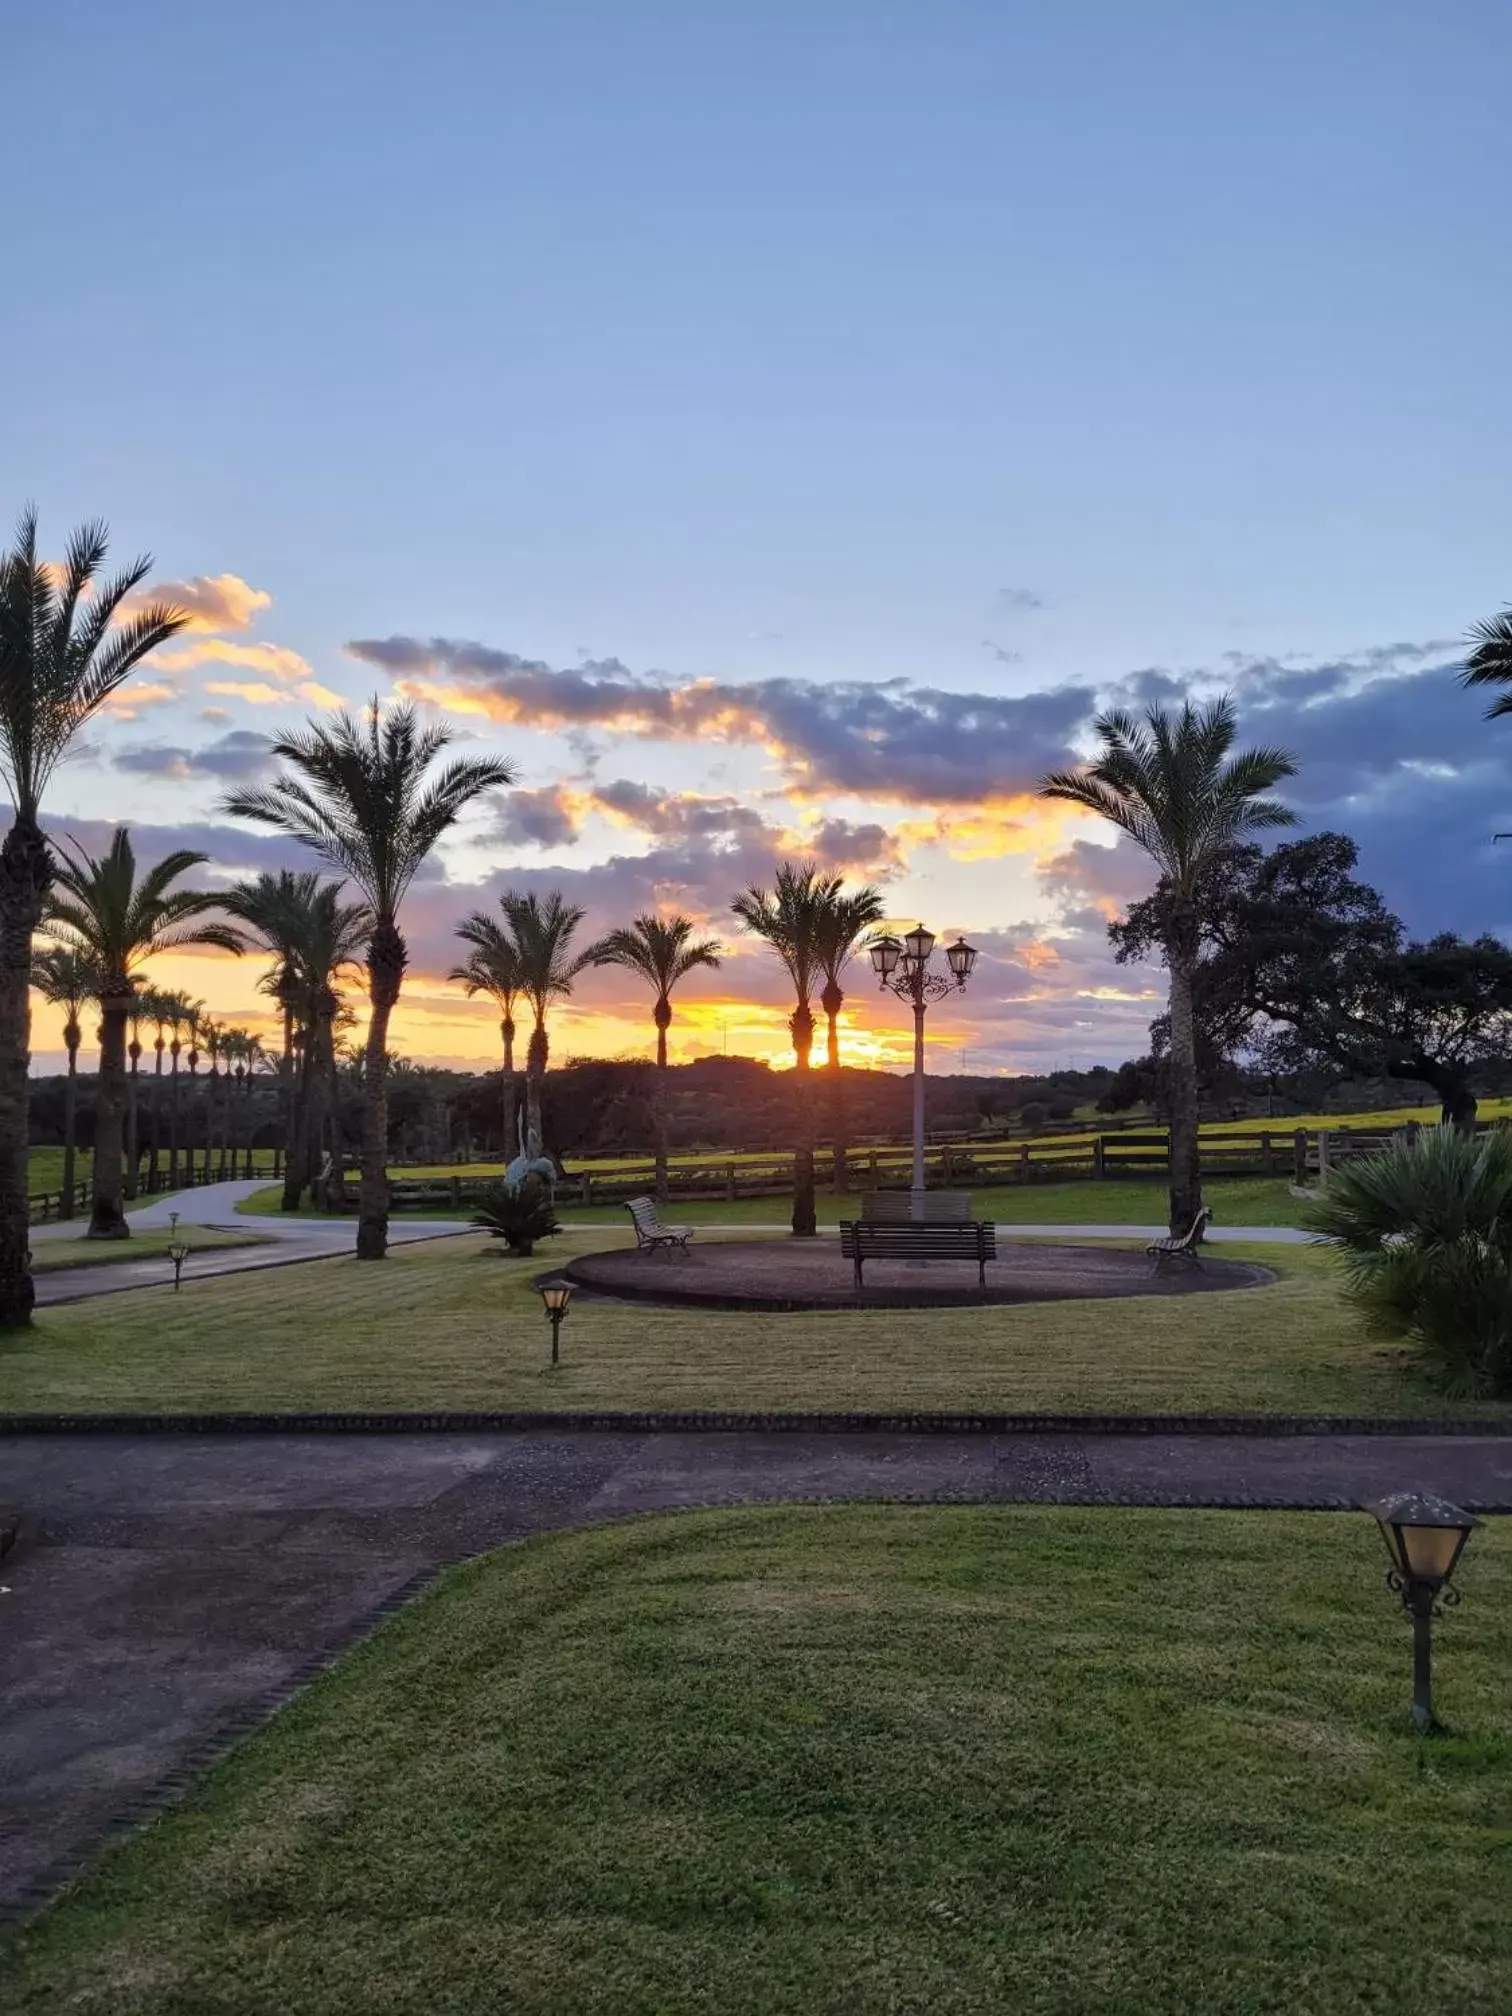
column 457, row 1325
column 49, row 1255
column 1237, row 1200
column 849, row 1761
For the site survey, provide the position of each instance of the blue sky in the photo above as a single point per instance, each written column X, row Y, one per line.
column 1001, row 351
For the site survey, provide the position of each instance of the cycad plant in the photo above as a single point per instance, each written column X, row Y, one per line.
column 662, row 950
column 1172, row 783
column 65, row 979
column 1424, row 1232
column 68, row 639
column 790, row 919
column 361, row 791
column 116, row 920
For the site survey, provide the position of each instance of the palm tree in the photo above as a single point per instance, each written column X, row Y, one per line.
column 790, row 918
column 212, row 1035
column 542, row 935
column 1172, row 785
column 332, row 940
column 845, row 920
column 159, row 1006
column 65, row 646
column 492, row 968
column 66, row 980
column 1490, row 663
column 182, row 1013
column 357, row 792
column 140, row 1008
column 103, row 911
column 276, row 910
column 662, row 952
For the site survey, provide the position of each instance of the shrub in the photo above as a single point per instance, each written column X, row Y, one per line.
column 1424, row 1231
column 519, row 1218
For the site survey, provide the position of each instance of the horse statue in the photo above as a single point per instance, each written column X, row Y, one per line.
column 529, row 1162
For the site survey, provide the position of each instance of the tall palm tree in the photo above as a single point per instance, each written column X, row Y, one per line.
column 790, row 918
column 212, row 1036
column 159, row 1007
column 182, row 1014
column 1171, row 783
column 276, row 912
column 140, row 1009
column 846, row 919
column 66, row 980
column 357, row 790
column 66, row 644
column 1490, row 662
column 542, row 935
column 116, row 919
column 493, row 968
column 662, row 951
column 333, row 939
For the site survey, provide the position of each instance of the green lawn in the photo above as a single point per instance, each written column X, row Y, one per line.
column 849, row 1761
column 48, row 1255
column 1236, row 1200
column 455, row 1324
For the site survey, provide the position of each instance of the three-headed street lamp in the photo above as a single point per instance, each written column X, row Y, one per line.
column 902, row 967
column 1425, row 1537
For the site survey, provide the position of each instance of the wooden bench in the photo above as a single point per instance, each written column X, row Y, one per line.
column 906, row 1239
column 896, row 1207
column 651, row 1236
column 1165, row 1251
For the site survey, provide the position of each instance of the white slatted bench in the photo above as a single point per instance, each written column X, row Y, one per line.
column 1165, row 1252
column 651, row 1236
column 906, row 1239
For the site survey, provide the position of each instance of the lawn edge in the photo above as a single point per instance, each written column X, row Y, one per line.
column 663, row 1421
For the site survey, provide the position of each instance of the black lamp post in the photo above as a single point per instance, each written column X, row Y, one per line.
column 556, row 1295
column 178, row 1249
column 902, row 968
column 1425, row 1537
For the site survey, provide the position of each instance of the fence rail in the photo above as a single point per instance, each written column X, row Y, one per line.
column 48, row 1207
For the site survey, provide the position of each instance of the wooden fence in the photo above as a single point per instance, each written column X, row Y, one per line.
column 48, row 1206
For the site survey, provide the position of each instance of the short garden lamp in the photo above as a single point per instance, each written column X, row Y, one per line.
column 1425, row 1537
column 960, row 958
column 556, row 1295
column 885, row 954
column 178, row 1253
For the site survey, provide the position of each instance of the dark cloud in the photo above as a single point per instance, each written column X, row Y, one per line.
column 889, row 739
column 1001, row 654
column 542, row 818
column 239, row 754
column 1019, row 598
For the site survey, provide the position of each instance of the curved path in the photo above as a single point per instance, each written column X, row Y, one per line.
column 183, row 1585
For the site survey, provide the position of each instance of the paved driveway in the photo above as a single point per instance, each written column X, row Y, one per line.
column 184, row 1582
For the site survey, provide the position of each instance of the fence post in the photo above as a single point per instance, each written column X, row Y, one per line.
column 456, row 1193
column 1323, row 1144
column 1299, row 1157
column 1269, row 1153
column 729, row 1182
column 587, row 1188
column 1097, row 1158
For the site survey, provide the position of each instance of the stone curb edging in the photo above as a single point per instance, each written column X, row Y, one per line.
column 672, row 1421
column 46, row 1888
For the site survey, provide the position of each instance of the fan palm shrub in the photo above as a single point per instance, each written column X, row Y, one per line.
column 1424, row 1233
column 518, row 1217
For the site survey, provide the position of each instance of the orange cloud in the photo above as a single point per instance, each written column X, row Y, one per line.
column 274, row 661
column 212, row 602
column 127, row 701
column 258, row 693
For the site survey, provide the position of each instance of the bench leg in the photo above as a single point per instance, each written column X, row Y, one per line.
column 858, row 1270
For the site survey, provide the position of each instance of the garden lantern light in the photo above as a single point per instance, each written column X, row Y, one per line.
column 178, row 1253
column 885, row 954
column 556, row 1295
column 1425, row 1537
column 960, row 958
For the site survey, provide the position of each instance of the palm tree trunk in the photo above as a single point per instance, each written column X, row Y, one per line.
column 805, row 1218
column 107, row 1219
column 663, row 1018
column 511, row 1146
column 132, row 1112
column 837, row 1090
column 386, row 961
column 70, row 1122
column 1186, row 1169
column 173, row 1120
column 157, row 1118
column 25, row 878
column 536, row 1057
column 291, row 1105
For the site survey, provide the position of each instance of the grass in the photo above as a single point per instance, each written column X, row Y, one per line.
column 1238, row 1200
column 849, row 1761
column 456, row 1325
column 49, row 1255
